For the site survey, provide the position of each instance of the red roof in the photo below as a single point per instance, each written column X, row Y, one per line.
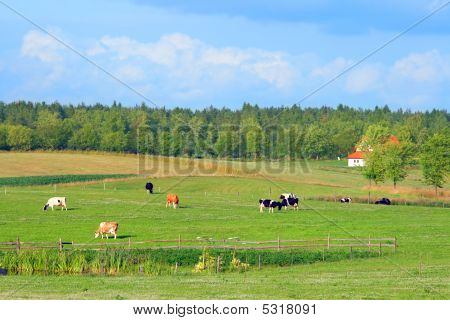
column 393, row 139
column 357, row 155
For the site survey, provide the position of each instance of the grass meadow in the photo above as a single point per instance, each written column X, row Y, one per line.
column 225, row 205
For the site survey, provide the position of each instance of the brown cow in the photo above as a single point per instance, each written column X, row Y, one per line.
column 107, row 227
column 172, row 199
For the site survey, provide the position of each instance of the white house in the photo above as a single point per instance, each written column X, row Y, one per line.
column 356, row 159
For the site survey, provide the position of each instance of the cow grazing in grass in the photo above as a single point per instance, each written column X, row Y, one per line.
column 56, row 202
column 149, row 187
column 289, row 200
column 267, row 203
column 384, row 201
column 346, row 200
column 172, row 199
column 106, row 228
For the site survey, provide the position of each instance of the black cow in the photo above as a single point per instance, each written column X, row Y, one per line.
column 346, row 200
column 3, row 272
column 289, row 199
column 384, row 201
column 149, row 187
column 267, row 203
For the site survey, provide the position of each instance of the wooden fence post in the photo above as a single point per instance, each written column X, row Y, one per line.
column 218, row 264
column 104, row 186
column 278, row 243
column 328, row 240
column 395, row 244
column 179, row 241
column 369, row 243
column 351, row 252
column 18, row 244
column 176, row 267
column 60, row 246
column 368, row 199
column 259, row 262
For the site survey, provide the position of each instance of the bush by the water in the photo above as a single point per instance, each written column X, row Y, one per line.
column 156, row 262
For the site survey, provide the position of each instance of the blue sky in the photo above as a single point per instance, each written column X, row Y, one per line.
column 201, row 53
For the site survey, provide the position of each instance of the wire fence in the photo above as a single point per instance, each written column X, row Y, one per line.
column 371, row 243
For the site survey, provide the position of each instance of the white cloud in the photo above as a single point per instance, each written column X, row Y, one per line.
column 363, row 79
column 190, row 59
column 429, row 66
column 331, row 69
column 130, row 73
column 41, row 46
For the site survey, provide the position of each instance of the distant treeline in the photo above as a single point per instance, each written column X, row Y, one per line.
column 250, row 132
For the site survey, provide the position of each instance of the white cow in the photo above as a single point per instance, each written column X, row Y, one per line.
column 106, row 228
column 56, row 201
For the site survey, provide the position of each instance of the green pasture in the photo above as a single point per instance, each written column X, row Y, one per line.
column 223, row 207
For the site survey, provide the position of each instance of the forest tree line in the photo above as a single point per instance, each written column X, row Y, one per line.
column 250, row 132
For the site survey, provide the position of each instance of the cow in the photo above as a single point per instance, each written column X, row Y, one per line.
column 346, row 200
column 149, row 187
column 287, row 195
column 289, row 199
column 267, row 203
column 107, row 227
column 56, row 201
column 172, row 199
column 384, row 201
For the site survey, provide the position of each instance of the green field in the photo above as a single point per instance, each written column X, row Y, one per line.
column 222, row 207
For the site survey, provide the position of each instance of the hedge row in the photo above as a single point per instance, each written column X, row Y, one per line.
column 69, row 178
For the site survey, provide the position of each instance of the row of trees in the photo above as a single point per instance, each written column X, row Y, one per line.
column 389, row 160
column 250, row 132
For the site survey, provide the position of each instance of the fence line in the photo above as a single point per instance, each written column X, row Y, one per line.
column 231, row 243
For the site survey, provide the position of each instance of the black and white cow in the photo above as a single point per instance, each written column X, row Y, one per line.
column 149, row 187
column 384, row 201
column 267, row 203
column 346, row 200
column 289, row 200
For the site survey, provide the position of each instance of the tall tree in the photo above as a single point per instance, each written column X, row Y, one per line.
column 317, row 143
column 397, row 157
column 374, row 166
column 50, row 130
column 19, row 137
column 375, row 134
column 435, row 160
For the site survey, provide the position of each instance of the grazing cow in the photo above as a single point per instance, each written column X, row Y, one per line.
column 56, row 201
column 107, row 227
column 346, row 200
column 384, row 201
column 287, row 195
column 289, row 199
column 172, row 199
column 149, row 187
column 267, row 203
